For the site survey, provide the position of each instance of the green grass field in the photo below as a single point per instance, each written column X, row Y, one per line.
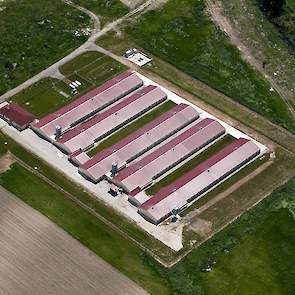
column 93, row 67
column 44, row 97
column 186, row 167
column 131, row 128
column 284, row 20
column 34, row 36
column 263, row 261
column 182, row 34
column 107, row 10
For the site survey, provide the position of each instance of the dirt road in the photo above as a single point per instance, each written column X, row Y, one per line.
column 37, row 257
column 216, row 11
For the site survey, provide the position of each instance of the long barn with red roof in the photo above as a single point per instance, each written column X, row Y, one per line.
column 107, row 122
column 138, row 142
column 87, row 105
column 199, row 180
column 140, row 174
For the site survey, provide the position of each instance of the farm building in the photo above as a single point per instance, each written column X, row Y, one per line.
column 140, row 174
column 87, row 105
column 107, row 122
column 139, row 141
column 79, row 157
column 199, row 180
column 16, row 116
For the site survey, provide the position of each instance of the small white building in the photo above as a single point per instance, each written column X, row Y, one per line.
column 137, row 57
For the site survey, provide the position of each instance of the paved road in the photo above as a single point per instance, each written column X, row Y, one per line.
column 53, row 70
column 37, row 257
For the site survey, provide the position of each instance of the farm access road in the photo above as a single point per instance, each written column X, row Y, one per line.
column 215, row 9
column 37, row 257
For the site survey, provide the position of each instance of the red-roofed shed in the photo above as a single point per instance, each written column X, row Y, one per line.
column 16, row 116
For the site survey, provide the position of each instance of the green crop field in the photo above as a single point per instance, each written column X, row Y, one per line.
column 131, row 128
column 34, row 35
column 107, row 10
column 182, row 34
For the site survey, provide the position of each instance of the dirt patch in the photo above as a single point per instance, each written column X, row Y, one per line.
column 5, row 162
column 202, row 227
column 132, row 3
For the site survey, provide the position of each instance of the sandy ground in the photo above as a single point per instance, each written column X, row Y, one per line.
column 132, row 3
column 5, row 162
column 154, row 4
column 37, row 257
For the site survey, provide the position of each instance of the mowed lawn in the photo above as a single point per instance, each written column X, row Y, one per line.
column 182, row 34
column 44, row 97
column 191, row 164
column 34, row 36
column 93, row 67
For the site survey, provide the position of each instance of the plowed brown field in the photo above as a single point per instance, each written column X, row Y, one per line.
column 37, row 257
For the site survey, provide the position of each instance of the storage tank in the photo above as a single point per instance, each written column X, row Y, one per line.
column 57, row 131
column 114, row 168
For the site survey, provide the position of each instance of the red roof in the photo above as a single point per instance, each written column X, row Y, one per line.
column 181, row 138
column 136, row 134
column 94, row 100
column 166, row 191
column 101, row 116
column 16, row 114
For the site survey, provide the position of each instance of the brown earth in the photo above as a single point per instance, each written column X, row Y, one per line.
column 5, row 162
column 37, row 257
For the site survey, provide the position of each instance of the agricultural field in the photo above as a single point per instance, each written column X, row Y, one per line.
column 34, row 35
column 168, row 33
column 56, row 257
column 239, row 238
column 259, row 234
